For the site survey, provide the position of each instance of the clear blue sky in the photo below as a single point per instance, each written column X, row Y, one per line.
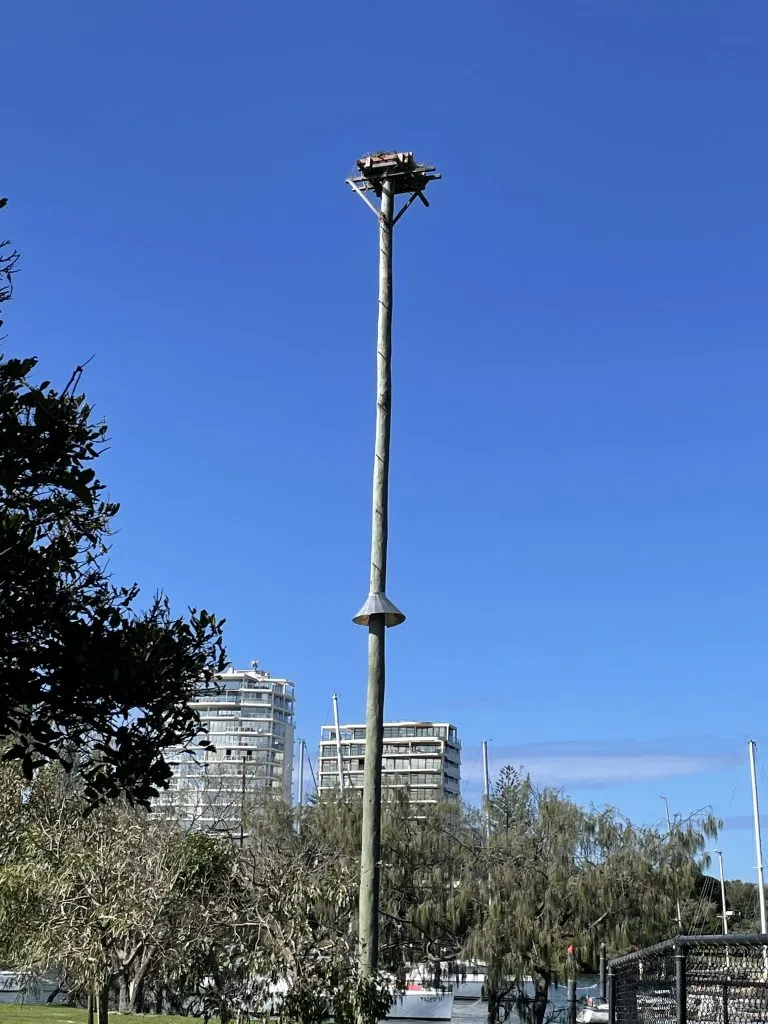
column 580, row 443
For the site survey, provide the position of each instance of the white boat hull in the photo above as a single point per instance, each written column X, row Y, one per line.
column 423, row 1004
column 592, row 1015
column 466, row 981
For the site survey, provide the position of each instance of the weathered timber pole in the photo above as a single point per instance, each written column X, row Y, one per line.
column 486, row 789
column 374, row 716
column 386, row 175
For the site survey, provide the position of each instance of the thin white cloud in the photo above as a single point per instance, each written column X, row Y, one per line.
column 596, row 769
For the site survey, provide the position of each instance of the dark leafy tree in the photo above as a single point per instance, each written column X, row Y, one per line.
column 86, row 679
column 741, row 900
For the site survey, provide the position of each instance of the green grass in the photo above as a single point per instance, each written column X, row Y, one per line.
column 12, row 1013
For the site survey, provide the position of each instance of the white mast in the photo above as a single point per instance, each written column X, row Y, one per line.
column 677, row 898
column 339, row 759
column 758, row 838
column 722, row 892
column 301, row 772
column 725, row 911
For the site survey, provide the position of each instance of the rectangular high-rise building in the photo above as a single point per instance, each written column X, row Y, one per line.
column 249, row 718
column 422, row 757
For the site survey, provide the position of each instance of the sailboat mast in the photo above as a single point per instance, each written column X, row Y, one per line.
column 339, row 759
column 677, row 896
column 722, row 892
column 301, row 773
column 758, row 837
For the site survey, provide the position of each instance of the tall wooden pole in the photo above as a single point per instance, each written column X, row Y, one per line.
column 486, row 789
column 374, row 719
column 387, row 174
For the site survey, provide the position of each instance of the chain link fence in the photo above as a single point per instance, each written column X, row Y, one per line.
column 694, row 979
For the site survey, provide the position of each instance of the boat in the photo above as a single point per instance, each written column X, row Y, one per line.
column 465, row 979
column 595, row 1012
column 418, row 1003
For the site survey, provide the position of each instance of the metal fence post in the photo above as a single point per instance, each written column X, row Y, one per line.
column 602, row 990
column 611, row 994
column 571, row 1001
column 681, row 997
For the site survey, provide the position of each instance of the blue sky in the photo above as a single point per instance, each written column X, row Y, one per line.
column 580, row 441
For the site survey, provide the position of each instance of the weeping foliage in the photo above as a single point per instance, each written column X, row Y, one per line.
column 101, row 899
column 556, row 874
column 126, row 904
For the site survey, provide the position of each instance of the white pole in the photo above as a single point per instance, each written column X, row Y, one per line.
column 339, row 759
column 301, row 772
column 758, row 838
column 722, row 892
column 486, row 787
column 677, row 897
column 725, row 911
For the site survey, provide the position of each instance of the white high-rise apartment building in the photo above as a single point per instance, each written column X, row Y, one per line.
column 249, row 718
column 422, row 757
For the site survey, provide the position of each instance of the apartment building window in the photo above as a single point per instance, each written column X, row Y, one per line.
column 352, row 749
column 424, row 794
column 423, row 779
column 424, row 762
column 231, row 739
